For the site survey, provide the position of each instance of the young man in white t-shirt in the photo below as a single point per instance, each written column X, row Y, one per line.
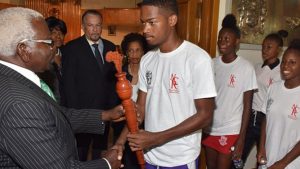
column 176, row 92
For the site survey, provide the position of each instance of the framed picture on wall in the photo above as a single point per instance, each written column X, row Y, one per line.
column 258, row 18
column 112, row 30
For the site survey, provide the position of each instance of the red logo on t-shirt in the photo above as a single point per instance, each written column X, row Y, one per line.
column 294, row 112
column 231, row 80
column 270, row 82
column 173, row 84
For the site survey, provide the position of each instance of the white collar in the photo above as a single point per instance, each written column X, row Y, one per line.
column 23, row 71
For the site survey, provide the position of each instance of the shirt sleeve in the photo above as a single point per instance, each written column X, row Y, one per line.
column 250, row 79
column 142, row 83
column 202, row 77
column 85, row 120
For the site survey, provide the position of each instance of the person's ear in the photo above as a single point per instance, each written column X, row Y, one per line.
column 23, row 52
column 173, row 20
column 237, row 42
column 280, row 50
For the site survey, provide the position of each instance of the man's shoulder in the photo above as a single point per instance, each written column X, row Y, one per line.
column 196, row 51
column 105, row 41
column 75, row 42
column 75, row 45
column 245, row 63
column 108, row 45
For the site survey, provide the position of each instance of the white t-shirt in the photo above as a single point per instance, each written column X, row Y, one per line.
column 265, row 77
column 282, row 109
column 232, row 80
column 134, row 92
column 172, row 82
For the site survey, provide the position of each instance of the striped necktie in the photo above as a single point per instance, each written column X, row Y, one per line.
column 47, row 89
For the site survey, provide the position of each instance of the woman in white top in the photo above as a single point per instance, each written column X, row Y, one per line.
column 266, row 74
column 235, row 81
column 280, row 134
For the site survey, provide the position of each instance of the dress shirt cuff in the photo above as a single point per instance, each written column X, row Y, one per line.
column 107, row 162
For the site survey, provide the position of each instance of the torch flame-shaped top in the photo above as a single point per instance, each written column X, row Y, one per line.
column 116, row 58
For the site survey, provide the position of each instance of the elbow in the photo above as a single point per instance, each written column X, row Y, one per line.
column 208, row 119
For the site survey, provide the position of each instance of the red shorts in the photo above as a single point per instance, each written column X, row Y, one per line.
column 220, row 143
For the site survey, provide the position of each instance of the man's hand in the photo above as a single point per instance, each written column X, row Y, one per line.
column 115, row 114
column 114, row 156
column 142, row 140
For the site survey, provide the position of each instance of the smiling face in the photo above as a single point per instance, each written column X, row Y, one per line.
column 58, row 37
column 290, row 67
column 227, row 42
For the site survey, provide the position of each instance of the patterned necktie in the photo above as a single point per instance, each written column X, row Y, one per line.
column 47, row 89
column 98, row 54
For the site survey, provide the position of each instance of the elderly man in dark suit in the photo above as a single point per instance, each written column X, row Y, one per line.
column 35, row 132
column 88, row 80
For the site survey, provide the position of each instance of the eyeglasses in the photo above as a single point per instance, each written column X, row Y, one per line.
column 48, row 41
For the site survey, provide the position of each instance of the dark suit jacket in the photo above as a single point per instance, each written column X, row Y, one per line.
column 35, row 132
column 85, row 84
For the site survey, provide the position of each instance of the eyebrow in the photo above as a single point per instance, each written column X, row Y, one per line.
column 147, row 20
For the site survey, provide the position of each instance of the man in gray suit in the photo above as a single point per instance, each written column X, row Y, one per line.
column 35, row 132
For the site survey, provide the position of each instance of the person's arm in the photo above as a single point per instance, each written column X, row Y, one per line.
column 145, row 140
column 288, row 158
column 261, row 154
column 247, row 102
column 92, row 120
column 36, row 138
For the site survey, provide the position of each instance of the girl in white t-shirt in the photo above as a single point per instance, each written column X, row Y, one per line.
column 235, row 81
column 280, row 134
column 266, row 74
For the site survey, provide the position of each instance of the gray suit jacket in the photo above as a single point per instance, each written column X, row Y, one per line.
column 35, row 132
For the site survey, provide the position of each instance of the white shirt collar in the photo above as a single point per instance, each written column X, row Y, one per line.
column 91, row 42
column 25, row 72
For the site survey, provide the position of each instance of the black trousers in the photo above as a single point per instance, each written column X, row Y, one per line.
column 253, row 133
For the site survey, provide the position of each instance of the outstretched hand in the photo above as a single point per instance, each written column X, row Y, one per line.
column 116, row 114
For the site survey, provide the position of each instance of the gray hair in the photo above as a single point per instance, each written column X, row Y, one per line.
column 15, row 26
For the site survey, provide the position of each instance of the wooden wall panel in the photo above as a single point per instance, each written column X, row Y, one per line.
column 209, row 26
column 182, row 25
column 67, row 11
column 188, row 26
column 5, row 5
column 198, row 23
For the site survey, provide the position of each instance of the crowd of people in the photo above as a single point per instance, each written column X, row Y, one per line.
column 58, row 100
